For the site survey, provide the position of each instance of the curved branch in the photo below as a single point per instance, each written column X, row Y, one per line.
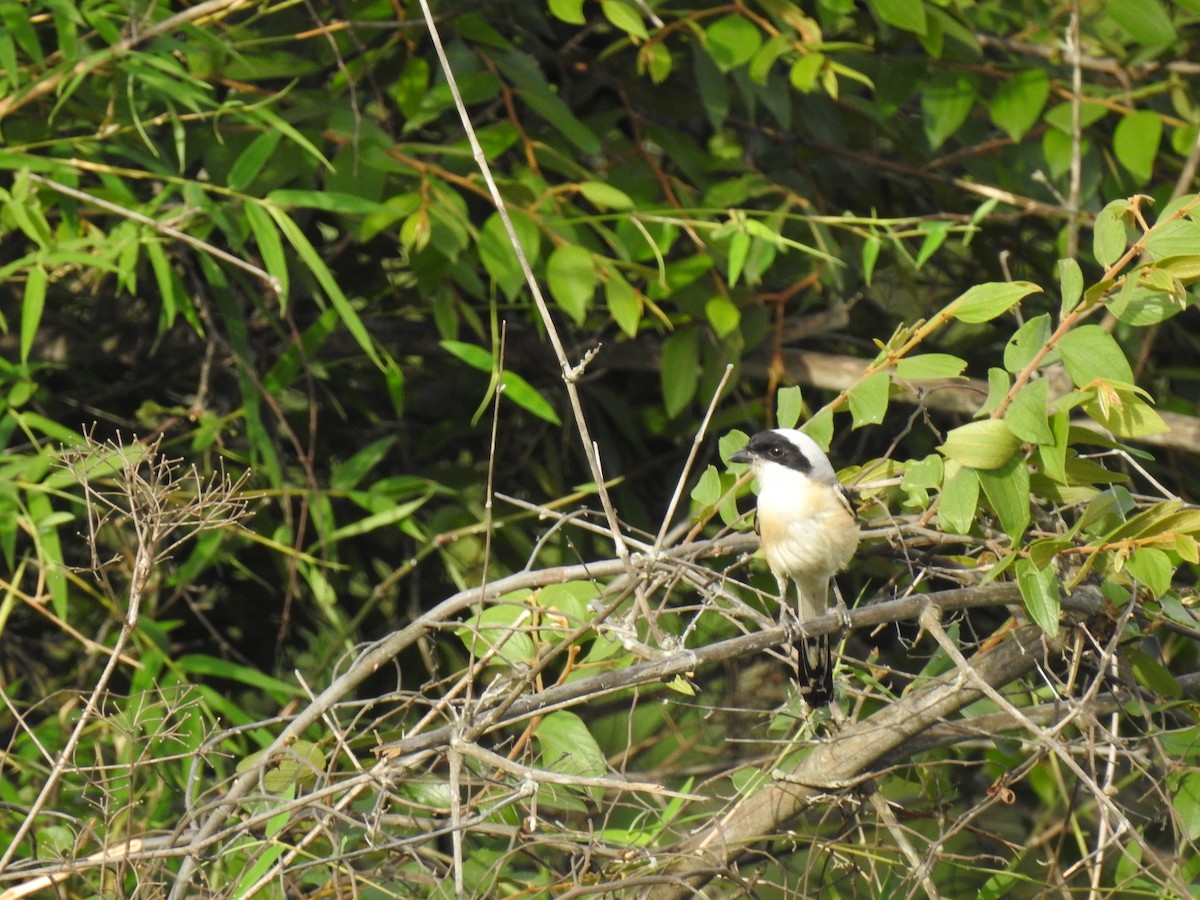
column 846, row 760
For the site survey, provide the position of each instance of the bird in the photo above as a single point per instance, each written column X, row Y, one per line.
column 808, row 532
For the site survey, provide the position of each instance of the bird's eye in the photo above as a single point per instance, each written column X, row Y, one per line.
column 775, row 451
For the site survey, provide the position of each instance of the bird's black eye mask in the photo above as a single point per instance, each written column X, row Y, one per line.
column 779, row 449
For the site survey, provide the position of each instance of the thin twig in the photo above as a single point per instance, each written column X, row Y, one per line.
column 570, row 374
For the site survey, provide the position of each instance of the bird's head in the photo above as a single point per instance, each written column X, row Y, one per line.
column 785, row 450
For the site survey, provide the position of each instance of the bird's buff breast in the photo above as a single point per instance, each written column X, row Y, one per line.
column 804, row 533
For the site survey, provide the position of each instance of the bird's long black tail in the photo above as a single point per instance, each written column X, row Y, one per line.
column 814, row 670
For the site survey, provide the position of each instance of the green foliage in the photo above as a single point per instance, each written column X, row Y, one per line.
column 260, row 236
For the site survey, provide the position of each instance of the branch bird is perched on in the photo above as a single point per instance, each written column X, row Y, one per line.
column 808, row 533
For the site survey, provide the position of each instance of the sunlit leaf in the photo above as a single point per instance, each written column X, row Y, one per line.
column 987, row 444
column 984, row 302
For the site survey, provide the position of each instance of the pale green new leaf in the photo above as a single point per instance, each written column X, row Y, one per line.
column 732, row 41
column 625, row 17
column 789, row 403
column 928, row 366
column 869, row 399
column 605, row 196
column 987, row 444
column 984, row 302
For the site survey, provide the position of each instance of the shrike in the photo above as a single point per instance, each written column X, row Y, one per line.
column 808, row 533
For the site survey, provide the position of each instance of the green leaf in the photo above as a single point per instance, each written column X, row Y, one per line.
column 516, row 388
column 605, row 196
column 804, row 71
column 946, row 102
column 1126, row 415
column 1053, row 453
column 539, row 97
column 1026, row 343
column 999, row 383
column 870, row 255
column 1140, row 307
column 1108, row 233
column 987, row 444
column 1090, row 353
column 201, row 664
column 935, row 235
column 297, row 764
column 869, row 399
column 1152, row 675
column 820, row 427
column 958, row 501
column 571, row 277
column 680, row 370
column 1185, row 797
column 347, row 475
column 1090, row 112
column 270, row 247
column 1028, row 417
column 346, row 312
column 568, row 747
column 1135, row 143
column 732, row 41
column 789, row 403
column 569, row 11
column 723, row 315
column 766, row 57
column 1146, row 21
column 984, row 302
column 623, row 302
column 907, row 15
column 504, row 628
column 251, row 161
column 1007, row 490
column 497, row 254
column 655, row 60
column 1018, row 103
column 708, row 487
column 1175, row 237
column 326, row 201
column 1070, row 284
column 625, row 17
column 927, row 366
column 529, row 398
column 33, row 303
column 1039, row 590
column 739, row 246
column 1152, row 567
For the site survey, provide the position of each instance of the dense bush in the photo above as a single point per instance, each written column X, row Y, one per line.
column 340, row 556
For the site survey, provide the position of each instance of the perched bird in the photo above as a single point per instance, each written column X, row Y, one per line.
column 808, row 533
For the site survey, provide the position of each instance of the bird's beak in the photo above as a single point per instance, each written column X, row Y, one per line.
column 742, row 456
